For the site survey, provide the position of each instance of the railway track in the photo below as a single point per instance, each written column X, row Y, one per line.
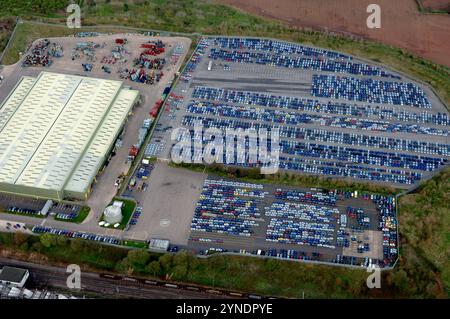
column 120, row 286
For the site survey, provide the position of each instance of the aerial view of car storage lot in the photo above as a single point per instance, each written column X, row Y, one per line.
column 355, row 136
column 322, row 102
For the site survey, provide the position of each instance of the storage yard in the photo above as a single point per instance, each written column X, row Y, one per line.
column 71, row 55
column 337, row 116
column 93, row 58
column 294, row 223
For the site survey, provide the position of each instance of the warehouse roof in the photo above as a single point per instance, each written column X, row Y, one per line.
column 12, row 274
column 9, row 106
column 49, row 125
column 106, row 135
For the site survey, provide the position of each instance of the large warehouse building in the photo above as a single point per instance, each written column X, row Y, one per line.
column 56, row 132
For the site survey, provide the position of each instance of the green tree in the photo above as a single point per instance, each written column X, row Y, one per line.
column 48, row 240
column 24, row 246
column 20, row 238
column 166, row 262
column 77, row 244
column 61, row 241
column 138, row 257
column 153, row 268
column 183, row 263
column 37, row 246
column 180, row 272
column 400, row 279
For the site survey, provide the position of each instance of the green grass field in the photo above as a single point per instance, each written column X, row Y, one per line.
column 134, row 244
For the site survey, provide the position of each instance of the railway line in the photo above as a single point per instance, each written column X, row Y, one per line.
column 109, row 285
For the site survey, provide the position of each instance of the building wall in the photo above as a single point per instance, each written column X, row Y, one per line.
column 33, row 192
column 17, row 284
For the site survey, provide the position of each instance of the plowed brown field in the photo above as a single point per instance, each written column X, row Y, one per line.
column 402, row 25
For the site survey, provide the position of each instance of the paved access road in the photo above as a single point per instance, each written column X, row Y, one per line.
column 50, row 276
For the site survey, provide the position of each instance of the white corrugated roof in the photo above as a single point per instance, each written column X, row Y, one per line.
column 10, row 104
column 27, row 128
column 106, row 135
column 70, row 134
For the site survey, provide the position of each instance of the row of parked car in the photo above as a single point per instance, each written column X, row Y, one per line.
column 377, row 142
column 364, row 156
column 224, row 202
column 348, row 170
column 321, row 198
column 288, row 231
column 337, row 168
column 223, row 225
column 191, row 66
column 275, row 46
column 221, row 209
column 295, row 118
column 25, row 211
column 336, row 137
column 386, row 206
column 369, row 90
column 316, row 166
column 76, row 234
column 296, row 62
column 314, row 105
column 135, row 217
column 66, row 216
column 249, row 193
column 311, row 213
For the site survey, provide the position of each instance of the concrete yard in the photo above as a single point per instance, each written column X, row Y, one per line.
column 168, row 205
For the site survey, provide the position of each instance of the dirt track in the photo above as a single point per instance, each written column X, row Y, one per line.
column 402, row 25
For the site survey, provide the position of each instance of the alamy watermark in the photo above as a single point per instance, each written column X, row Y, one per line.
column 241, row 147
column 74, row 279
column 374, row 279
column 374, row 19
column 74, row 18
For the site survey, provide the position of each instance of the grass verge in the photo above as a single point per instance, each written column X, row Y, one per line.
column 135, row 244
column 253, row 175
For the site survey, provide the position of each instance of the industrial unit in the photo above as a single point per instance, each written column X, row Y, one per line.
column 14, row 276
column 56, row 132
